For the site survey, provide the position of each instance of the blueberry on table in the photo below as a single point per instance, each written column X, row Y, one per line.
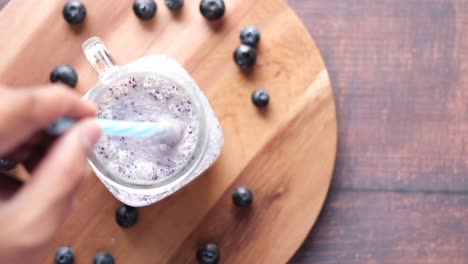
column 64, row 255
column 245, row 56
column 174, row 5
column 6, row 165
column 242, row 197
column 208, row 254
column 74, row 12
column 145, row 9
column 103, row 258
column 126, row 216
column 212, row 9
column 250, row 36
column 64, row 74
column 260, row 98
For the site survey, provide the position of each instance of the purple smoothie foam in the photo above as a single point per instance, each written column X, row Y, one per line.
column 147, row 98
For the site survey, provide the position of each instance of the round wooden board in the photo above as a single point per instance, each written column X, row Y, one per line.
column 285, row 154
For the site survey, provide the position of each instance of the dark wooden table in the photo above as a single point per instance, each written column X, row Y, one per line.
column 399, row 70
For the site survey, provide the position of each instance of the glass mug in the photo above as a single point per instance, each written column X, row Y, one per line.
column 136, row 170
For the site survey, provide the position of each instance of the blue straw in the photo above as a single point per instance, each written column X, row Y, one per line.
column 118, row 128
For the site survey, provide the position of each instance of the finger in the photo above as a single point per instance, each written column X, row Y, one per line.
column 56, row 179
column 29, row 110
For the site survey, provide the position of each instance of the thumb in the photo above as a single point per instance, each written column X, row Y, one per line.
column 47, row 198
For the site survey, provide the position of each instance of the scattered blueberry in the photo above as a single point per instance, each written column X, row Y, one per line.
column 103, row 258
column 74, row 12
column 208, row 254
column 6, row 165
column 145, row 9
column 64, row 255
column 126, row 216
column 260, row 98
column 250, row 36
column 245, row 56
column 174, row 5
column 65, row 74
column 242, row 197
column 212, row 9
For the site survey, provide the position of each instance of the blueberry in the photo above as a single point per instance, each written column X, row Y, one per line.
column 145, row 9
column 126, row 216
column 250, row 36
column 74, row 12
column 242, row 197
column 65, row 74
column 260, row 98
column 6, row 165
column 245, row 56
column 103, row 258
column 212, row 9
column 64, row 255
column 174, row 5
column 208, row 254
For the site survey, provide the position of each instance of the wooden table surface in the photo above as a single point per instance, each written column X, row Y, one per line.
column 399, row 70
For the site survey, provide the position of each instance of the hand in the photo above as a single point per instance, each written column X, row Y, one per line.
column 30, row 213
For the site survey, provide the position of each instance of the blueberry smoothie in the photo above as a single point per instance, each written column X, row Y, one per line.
column 140, row 171
column 147, row 97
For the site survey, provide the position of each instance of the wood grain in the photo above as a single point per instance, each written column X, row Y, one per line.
column 389, row 227
column 285, row 154
column 398, row 70
column 280, row 197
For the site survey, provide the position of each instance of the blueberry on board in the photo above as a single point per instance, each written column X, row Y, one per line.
column 74, row 12
column 145, row 9
column 174, row 5
column 6, row 165
column 208, row 254
column 103, row 258
column 250, row 36
column 242, row 197
column 64, row 255
column 245, row 56
column 212, row 9
column 64, row 74
column 126, row 216
column 260, row 98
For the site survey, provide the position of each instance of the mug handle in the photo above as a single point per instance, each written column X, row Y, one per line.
column 99, row 57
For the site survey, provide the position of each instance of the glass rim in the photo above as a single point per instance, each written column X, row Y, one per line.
column 193, row 94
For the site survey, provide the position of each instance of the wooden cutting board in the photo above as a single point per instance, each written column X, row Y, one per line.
column 285, row 154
